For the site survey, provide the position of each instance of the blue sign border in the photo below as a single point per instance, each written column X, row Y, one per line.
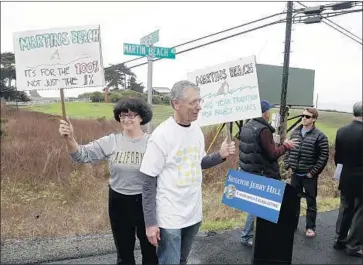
column 254, row 185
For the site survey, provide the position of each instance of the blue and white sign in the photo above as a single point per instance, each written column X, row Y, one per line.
column 257, row 195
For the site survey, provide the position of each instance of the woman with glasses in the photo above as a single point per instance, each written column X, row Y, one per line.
column 124, row 151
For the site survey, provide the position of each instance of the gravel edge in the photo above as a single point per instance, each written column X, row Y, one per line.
column 42, row 250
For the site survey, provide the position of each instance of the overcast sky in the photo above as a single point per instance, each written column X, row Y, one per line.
column 336, row 59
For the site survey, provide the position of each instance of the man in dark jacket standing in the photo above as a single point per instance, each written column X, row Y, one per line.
column 349, row 153
column 306, row 162
column 258, row 155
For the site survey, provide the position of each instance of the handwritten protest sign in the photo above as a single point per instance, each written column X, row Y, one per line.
column 60, row 58
column 229, row 91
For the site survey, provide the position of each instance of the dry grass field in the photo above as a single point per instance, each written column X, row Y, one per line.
column 44, row 194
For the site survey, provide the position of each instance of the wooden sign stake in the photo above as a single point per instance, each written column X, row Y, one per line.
column 63, row 105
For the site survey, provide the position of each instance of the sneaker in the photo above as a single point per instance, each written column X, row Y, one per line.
column 354, row 253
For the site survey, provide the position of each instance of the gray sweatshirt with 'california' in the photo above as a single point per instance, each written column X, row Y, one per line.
column 124, row 157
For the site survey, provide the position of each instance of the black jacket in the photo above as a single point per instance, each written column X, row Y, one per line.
column 311, row 153
column 349, row 153
column 252, row 157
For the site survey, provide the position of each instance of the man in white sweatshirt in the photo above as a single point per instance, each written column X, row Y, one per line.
column 173, row 163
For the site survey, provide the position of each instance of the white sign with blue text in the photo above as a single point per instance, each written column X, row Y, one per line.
column 229, row 91
column 257, row 195
column 58, row 58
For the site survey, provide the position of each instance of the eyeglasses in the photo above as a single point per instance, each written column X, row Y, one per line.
column 196, row 102
column 130, row 116
column 306, row 116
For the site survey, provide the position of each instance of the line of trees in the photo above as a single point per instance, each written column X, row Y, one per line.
column 117, row 76
column 115, row 95
column 8, row 79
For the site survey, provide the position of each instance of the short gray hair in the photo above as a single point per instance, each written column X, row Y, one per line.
column 358, row 109
column 178, row 89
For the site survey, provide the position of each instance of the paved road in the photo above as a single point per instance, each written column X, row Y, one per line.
column 224, row 248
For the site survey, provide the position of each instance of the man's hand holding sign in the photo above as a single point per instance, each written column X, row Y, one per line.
column 227, row 148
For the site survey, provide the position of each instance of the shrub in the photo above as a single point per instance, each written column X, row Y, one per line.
column 97, row 97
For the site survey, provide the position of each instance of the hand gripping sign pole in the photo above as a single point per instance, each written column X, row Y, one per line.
column 229, row 132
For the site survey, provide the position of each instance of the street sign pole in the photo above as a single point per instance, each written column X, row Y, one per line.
column 149, row 86
column 149, row 40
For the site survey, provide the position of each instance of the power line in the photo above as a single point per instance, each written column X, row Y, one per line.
column 216, row 33
column 324, row 16
column 337, row 26
column 268, row 37
column 359, row 38
column 232, row 28
column 343, row 33
column 231, row 36
column 218, row 40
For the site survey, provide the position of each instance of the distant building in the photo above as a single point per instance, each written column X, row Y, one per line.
column 34, row 93
column 47, row 99
column 161, row 91
column 35, row 97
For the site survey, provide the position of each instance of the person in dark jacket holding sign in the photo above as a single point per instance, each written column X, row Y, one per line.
column 258, row 155
column 306, row 162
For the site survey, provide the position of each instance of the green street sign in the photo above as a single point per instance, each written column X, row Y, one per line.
column 154, row 52
column 162, row 52
column 135, row 49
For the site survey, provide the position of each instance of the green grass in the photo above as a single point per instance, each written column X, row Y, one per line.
column 328, row 122
column 95, row 110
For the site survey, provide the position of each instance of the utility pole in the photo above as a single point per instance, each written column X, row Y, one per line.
column 285, row 73
column 107, row 91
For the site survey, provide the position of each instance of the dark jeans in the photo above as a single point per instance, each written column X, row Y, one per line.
column 127, row 219
column 310, row 186
column 350, row 219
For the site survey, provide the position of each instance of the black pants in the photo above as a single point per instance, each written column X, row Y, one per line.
column 127, row 219
column 310, row 186
column 350, row 219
